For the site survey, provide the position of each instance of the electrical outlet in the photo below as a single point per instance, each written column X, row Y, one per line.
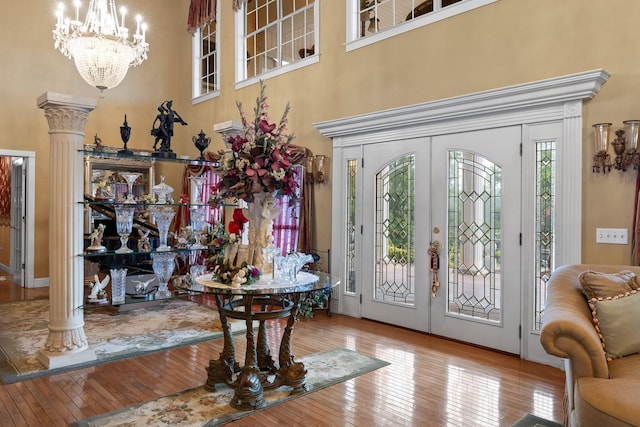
column 612, row 236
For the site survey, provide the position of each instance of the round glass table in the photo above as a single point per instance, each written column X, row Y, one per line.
column 264, row 300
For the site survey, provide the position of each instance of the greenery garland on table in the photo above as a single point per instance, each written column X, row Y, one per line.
column 246, row 274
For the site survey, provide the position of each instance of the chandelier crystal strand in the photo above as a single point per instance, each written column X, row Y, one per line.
column 100, row 46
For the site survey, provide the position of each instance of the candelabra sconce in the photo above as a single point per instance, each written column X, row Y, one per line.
column 625, row 148
column 601, row 160
column 315, row 168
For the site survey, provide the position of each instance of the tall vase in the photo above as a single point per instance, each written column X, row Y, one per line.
column 118, row 285
column 163, row 219
column 261, row 213
column 124, row 223
column 163, row 265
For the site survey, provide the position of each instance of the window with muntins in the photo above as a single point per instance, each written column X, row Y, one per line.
column 374, row 20
column 278, row 34
column 205, row 62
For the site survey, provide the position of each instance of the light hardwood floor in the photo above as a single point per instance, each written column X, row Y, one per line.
column 430, row 381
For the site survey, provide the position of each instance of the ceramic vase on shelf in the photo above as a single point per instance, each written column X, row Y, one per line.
column 118, row 285
column 163, row 265
column 163, row 218
column 261, row 213
column 124, row 223
column 130, row 177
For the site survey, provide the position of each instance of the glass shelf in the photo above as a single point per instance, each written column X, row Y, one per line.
column 135, row 301
column 89, row 254
column 111, row 202
column 112, row 153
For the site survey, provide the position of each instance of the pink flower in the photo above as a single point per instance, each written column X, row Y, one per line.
column 266, row 127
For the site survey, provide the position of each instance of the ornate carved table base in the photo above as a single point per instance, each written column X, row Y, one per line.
column 259, row 372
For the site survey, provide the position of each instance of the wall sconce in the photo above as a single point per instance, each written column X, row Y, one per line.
column 625, row 148
column 315, row 168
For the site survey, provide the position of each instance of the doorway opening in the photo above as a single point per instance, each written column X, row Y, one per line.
column 17, row 218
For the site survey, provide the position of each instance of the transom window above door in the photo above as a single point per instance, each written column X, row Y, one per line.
column 277, row 36
column 373, row 20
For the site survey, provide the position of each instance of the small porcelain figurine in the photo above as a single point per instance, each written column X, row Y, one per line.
column 97, row 289
column 141, row 287
column 96, row 239
column 143, row 242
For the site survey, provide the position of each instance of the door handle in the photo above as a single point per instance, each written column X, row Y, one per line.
column 434, row 261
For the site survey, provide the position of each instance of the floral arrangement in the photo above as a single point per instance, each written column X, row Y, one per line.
column 219, row 237
column 261, row 158
column 220, row 263
column 185, row 237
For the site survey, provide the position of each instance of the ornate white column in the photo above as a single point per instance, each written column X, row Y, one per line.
column 67, row 342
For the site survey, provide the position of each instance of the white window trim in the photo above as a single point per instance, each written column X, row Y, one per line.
column 241, row 69
column 354, row 42
column 196, row 97
column 542, row 101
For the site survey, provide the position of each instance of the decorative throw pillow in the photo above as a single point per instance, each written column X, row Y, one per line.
column 602, row 285
column 616, row 319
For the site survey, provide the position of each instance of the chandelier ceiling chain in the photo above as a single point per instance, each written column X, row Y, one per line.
column 100, row 46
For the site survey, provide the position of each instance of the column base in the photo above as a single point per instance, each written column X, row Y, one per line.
column 52, row 360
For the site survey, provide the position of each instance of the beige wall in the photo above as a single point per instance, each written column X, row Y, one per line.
column 505, row 43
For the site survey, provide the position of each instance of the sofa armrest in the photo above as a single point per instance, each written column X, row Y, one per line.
column 567, row 328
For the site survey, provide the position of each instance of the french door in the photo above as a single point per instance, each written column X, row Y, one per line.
column 476, row 187
column 395, row 234
column 18, row 220
column 462, row 190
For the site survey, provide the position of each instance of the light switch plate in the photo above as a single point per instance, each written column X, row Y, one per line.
column 612, row 236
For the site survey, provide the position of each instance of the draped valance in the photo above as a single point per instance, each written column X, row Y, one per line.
column 202, row 12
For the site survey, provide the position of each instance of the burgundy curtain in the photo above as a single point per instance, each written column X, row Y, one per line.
column 182, row 218
column 305, row 238
column 202, row 12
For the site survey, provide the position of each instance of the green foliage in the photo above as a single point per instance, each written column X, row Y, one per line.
column 399, row 254
column 315, row 299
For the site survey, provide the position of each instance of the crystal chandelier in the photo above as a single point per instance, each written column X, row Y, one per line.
column 99, row 46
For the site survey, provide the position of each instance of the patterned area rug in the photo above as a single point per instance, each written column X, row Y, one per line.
column 23, row 331
column 531, row 420
column 198, row 407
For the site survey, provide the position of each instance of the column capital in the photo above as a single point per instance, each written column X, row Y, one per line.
column 66, row 113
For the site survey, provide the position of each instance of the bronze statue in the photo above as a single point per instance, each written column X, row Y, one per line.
column 162, row 129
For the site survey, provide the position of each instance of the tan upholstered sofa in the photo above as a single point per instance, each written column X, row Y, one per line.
column 599, row 393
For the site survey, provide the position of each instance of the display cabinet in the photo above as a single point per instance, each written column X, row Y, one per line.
column 103, row 180
column 130, row 202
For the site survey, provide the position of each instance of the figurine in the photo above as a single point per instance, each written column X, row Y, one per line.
column 97, row 143
column 97, row 289
column 162, row 129
column 141, row 287
column 96, row 239
column 143, row 242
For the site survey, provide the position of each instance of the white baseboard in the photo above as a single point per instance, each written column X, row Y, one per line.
column 41, row 283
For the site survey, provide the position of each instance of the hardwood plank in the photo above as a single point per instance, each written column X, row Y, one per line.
column 430, row 381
